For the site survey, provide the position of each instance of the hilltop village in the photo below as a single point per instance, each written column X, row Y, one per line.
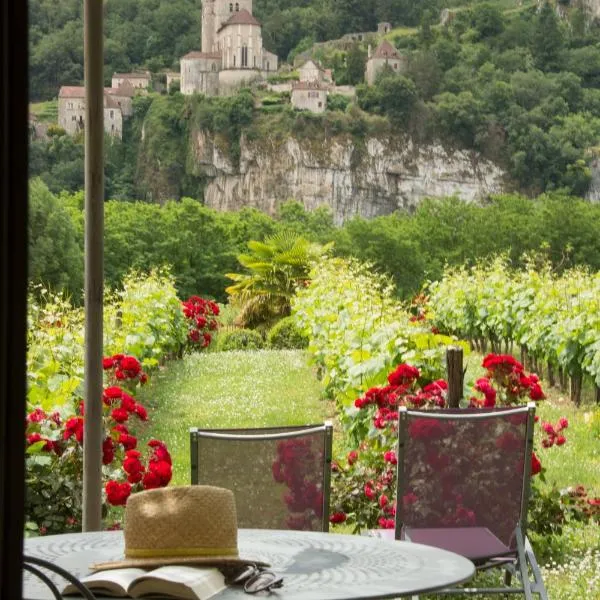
column 232, row 56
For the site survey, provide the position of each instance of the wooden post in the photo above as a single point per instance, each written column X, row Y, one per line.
column 94, row 264
column 551, row 376
column 597, row 387
column 576, row 382
column 454, row 366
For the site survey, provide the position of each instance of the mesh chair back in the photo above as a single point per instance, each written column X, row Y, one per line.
column 280, row 476
column 467, row 468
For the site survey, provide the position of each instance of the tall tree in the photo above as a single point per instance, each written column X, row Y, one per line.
column 548, row 41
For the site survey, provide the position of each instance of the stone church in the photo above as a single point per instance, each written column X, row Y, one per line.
column 232, row 52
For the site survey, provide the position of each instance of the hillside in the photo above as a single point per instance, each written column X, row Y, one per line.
column 507, row 84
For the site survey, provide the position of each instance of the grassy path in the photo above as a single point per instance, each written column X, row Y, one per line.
column 230, row 389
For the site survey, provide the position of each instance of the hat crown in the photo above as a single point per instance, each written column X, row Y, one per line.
column 197, row 520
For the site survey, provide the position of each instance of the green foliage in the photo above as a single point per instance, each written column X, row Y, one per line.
column 240, row 339
column 392, row 95
column 358, row 331
column 55, row 256
column 285, row 335
column 275, row 268
column 555, row 318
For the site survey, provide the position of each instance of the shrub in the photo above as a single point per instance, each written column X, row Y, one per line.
column 286, row 336
column 240, row 339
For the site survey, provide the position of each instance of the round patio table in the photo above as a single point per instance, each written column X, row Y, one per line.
column 315, row 566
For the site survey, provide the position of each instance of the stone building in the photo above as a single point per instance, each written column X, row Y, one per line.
column 71, row 111
column 200, row 73
column 309, row 95
column 140, row 82
column 231, row 47
column 385, row 54
column 383, row 28
column 123, row 96
column 172, row 77
column 313, row 71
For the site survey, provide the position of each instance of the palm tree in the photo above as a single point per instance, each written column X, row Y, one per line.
column 275, row 268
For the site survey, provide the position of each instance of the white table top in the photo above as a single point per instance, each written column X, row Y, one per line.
column 315, row 566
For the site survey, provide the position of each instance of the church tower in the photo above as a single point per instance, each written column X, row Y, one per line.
column 222, row 11
column 208, row 25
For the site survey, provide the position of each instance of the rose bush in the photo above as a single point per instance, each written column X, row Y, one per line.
column 201, row 320
column 54, row 442
column 364, row 482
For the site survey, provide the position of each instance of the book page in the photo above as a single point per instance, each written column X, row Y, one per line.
column 114, row 582
column 180, row 581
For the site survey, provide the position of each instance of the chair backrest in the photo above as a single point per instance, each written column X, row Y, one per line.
column 462, row 468
column 280, row 475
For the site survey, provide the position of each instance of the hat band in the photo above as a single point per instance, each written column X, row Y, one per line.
column 171, row 552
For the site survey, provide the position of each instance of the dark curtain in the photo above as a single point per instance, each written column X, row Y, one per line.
column 13, row 286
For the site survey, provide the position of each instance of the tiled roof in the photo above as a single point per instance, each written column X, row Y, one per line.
column 125, row 89
column 241, row 17
column 71, row 91
column 196, row 54
column 308, row 85
column 132, row 75
column 386, row 50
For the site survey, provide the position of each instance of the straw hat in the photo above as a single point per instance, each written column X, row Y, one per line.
column 180, row 525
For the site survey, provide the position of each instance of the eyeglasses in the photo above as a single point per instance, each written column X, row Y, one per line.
column 256, row 579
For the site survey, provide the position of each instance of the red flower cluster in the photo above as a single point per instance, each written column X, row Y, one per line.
column 125, row 368
column 118, row 444
column 505, row 374
column 200, row 314
column 553, row 433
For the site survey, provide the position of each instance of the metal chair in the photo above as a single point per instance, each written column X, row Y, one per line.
column 280, row 475
column 32, row 564
column 463, row 486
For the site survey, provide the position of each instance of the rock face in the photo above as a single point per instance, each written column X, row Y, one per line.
column 593, row 194
column 377, row 178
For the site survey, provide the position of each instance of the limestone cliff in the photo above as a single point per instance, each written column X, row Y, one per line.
column 377, row 177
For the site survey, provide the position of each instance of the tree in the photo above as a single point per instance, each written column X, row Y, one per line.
column 355, row 64
column 488, row 20
column 55, row 256
column 547, row 42
column 274, row 269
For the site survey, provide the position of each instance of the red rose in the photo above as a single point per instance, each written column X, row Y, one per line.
column 129, row 442
column 131, row 365
column 390, row 456
column 536, row 465
column 194, row 335
column 162, row 469
column 133, row 465
column 403, row 374
column 383, row 500
column 207, row 339
column 36, row 416
column 535, row 392
column 74, row 427
column 386, row 523
column 120, row 415
column 369, row 492
column 560, row 440
column 151, row 480
column 108, row 451
column 141, row 412
column 107, row 363
column 143, row 378
column 117, row 493
column 127, row 402
column 112, row 394
column 337, row 517
column 120, row 375
column 160, row 451
column 562, row 423
column 352, row 457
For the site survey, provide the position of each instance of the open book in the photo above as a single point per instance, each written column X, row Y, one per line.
column 195, row 583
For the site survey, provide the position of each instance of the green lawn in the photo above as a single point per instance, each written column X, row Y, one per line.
column 270, row 388
column 230, row 389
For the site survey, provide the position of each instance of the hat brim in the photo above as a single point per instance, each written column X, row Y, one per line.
column 142, row 563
